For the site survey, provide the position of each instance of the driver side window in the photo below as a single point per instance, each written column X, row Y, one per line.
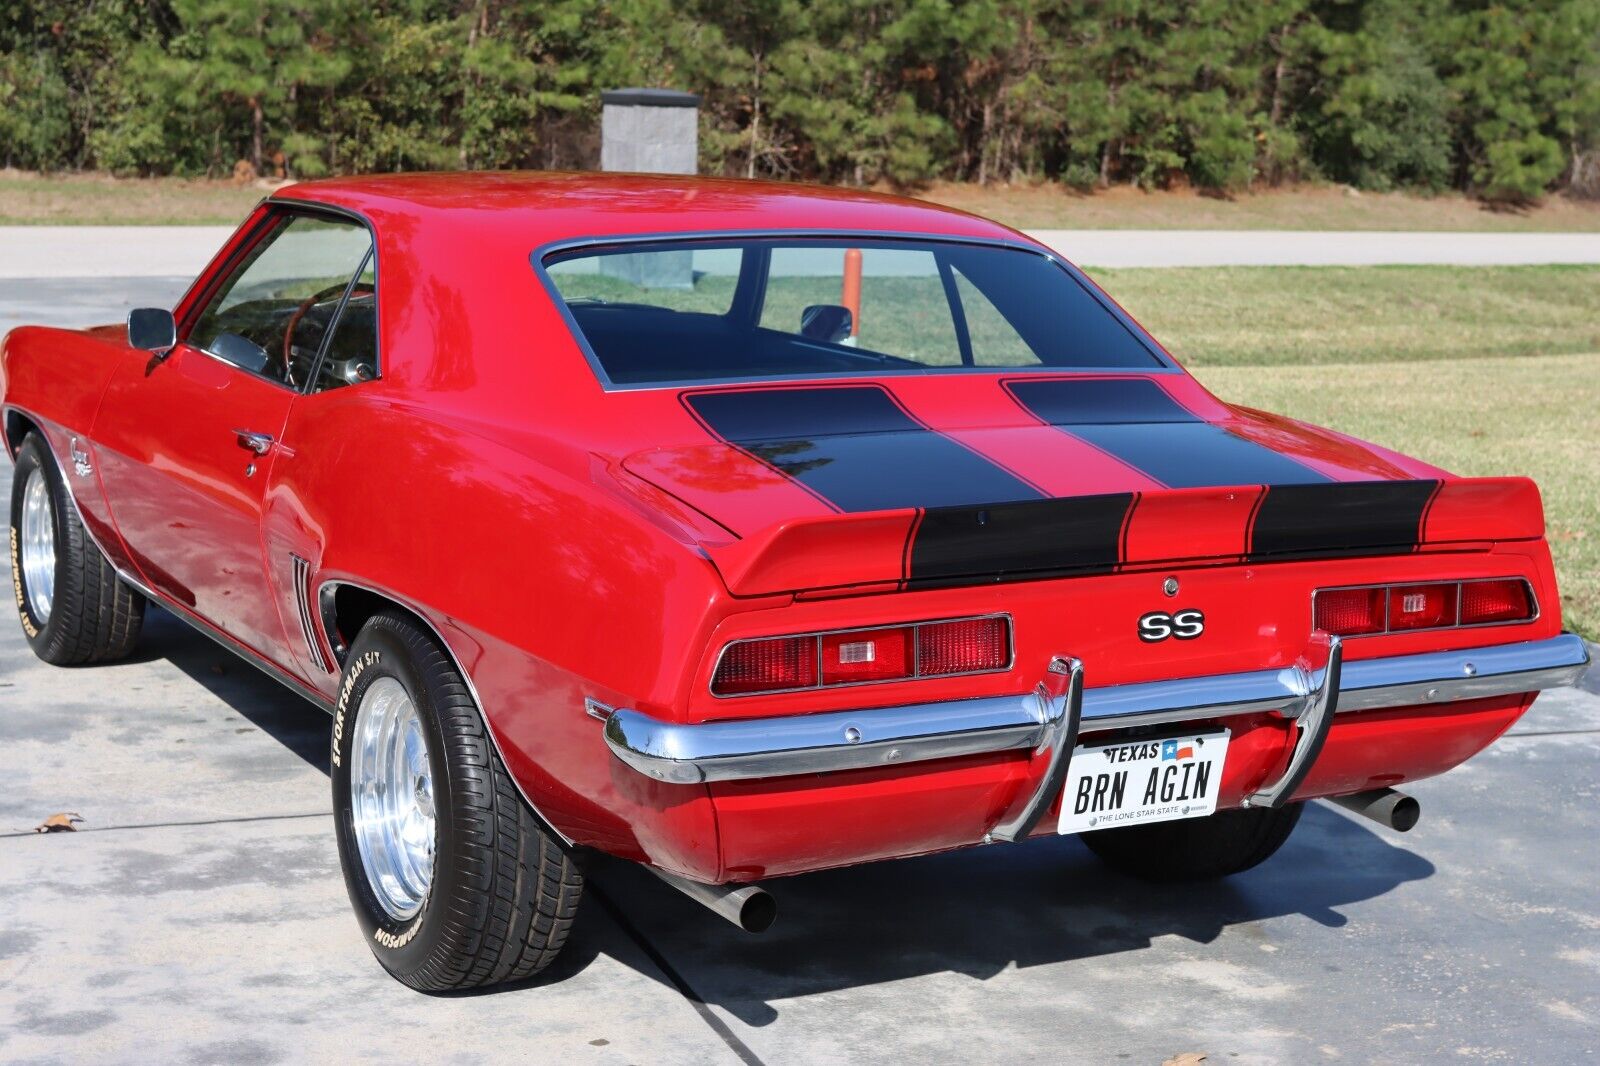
column 271, row 315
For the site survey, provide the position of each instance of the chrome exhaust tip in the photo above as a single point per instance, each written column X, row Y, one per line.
column 1385, row 806
column 750, row 907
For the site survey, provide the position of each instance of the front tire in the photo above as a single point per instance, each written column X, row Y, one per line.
column 72, row 605
column 455, row 882
column 1196, row 849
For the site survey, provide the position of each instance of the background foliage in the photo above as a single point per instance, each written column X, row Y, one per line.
column 1499, row 98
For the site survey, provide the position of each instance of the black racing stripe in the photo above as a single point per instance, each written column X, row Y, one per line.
column 856, row 448
column 1346, row 518
column 1039, row 538
column 1137, row 421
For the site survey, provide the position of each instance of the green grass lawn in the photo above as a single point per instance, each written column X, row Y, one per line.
column 1294, row 316
column 1539, row 417
column 99, row 199
column 1482, row 371
column 1050, row 205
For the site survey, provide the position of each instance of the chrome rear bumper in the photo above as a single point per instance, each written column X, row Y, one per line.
column 1309, row 692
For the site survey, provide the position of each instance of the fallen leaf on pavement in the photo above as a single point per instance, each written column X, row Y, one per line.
column 1186, row 1058
column 65, row 822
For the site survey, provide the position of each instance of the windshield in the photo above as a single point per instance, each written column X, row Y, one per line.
column 687, row 312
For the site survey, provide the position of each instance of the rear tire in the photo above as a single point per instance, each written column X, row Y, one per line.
column 73, row 607
column 1198, row 849
column 471, row 889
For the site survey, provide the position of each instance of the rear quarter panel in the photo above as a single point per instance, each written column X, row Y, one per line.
column 550, row 584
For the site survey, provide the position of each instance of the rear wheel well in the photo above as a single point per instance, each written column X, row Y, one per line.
column 347, row 608
column 17, row 427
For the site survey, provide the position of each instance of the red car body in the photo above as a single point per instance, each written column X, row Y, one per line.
column 586, row 551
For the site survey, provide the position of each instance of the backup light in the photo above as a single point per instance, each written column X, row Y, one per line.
column 862, row 656
column 1355, row 612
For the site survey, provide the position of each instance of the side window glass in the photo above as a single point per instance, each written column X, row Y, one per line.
column 995, row 342
column 270, row 316
column 352, row 355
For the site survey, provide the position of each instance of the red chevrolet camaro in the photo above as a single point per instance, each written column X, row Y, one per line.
column 743, row 530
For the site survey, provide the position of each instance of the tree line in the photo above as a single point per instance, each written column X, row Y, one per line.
column 1497, row 97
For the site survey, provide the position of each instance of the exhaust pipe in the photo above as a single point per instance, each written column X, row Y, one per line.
column 1385, row 806
column 750, row 907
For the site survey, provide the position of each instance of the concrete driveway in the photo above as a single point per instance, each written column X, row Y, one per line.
column 199, row 916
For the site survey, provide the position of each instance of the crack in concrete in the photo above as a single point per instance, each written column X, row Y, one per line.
column 173, row 825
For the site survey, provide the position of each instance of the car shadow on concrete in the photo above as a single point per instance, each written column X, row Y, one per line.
column 976, row 912
column 981, row 911
column 290, row 719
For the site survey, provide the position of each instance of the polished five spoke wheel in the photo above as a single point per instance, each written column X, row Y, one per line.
column 391, row 799
column 455, row 881
column 37, row 546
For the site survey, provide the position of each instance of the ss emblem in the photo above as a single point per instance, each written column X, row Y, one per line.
column 1159, row 625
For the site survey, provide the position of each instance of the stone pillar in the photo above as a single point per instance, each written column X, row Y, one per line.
column 650, row 131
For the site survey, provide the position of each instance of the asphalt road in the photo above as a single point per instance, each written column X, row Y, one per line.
column 199, row 915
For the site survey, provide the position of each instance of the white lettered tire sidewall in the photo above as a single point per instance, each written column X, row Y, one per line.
column 30, row 458
column 402, row 947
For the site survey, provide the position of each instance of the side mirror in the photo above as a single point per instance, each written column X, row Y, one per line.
column 152, row 328
column 830, row 323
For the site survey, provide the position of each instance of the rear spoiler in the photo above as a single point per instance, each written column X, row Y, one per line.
column 951, row 546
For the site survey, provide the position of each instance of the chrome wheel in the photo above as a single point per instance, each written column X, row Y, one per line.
column 391, row 793
column 38, row 547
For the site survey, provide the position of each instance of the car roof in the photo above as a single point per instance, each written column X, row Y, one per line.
column 549, row 206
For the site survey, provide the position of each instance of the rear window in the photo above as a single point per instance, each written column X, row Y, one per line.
column 686, row 312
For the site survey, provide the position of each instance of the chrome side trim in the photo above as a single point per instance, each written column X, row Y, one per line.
column 847, row 740
column 324, row 594
column 301, row 568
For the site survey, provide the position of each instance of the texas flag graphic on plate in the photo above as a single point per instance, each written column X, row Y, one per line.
column 1176, row 749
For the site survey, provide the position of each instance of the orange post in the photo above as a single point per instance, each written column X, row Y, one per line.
column 851, row 296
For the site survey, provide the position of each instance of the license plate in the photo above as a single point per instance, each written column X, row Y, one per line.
column 1135, row 782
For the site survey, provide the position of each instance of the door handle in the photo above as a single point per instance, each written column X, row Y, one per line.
column 260, row 443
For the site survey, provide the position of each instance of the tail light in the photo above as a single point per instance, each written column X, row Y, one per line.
column 1486, row 602
column 1354, row 612
column 969, row 646
column 1350, row 612
column 767, row 666
column 861, row 656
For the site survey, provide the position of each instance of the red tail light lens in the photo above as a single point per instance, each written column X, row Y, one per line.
column 1495, row 601
column 963, row 647
column 867, row 655
column 857, row 656
column 767, row 666
column 1349, row 612
column 1441, row 605
column 1422, row 606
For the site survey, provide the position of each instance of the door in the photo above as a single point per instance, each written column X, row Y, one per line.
column 187, row 443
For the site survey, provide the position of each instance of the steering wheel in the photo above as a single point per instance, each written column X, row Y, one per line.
column 300, row 312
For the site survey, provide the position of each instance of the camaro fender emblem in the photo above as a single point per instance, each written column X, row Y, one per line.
column 1159, row 625
column 80, row 459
